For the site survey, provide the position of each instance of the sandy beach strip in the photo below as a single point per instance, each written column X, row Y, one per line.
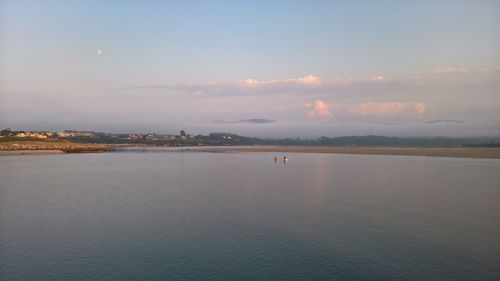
column 468, row 152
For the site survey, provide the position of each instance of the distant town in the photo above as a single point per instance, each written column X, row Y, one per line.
column 181, row 139
column 229, row 139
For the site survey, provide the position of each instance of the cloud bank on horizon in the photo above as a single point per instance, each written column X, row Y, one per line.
column 268, row 77
column 317, row 106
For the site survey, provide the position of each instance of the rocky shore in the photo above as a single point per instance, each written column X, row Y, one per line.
column 66, row 147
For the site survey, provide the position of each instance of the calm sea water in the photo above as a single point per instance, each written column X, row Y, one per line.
column 162, row 215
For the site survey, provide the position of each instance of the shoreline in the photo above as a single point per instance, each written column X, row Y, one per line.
column 45, row 148
column 464, row 152
column 49, row 147
column 30, row 152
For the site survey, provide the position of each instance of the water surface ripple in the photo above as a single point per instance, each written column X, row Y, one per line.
column 241, row 216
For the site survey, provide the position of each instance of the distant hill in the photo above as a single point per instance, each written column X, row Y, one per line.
column 372, row 140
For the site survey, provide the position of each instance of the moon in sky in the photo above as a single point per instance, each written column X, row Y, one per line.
column 99, row 52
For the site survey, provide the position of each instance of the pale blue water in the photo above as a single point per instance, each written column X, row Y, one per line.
column 240, row 216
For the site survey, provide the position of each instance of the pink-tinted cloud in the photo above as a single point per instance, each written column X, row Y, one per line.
column 252, row 82
column 308, row 80
column 389, row 109
column 377, row 78
column 450, row 69
column 328, row 88
column 199, row 94
column 319, row 110
column 420, row 108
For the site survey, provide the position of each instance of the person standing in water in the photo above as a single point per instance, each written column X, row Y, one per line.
column 275, row 158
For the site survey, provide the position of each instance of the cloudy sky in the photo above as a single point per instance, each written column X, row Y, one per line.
column 258, row 68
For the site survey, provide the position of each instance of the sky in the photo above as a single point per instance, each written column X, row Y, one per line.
column 256, row 68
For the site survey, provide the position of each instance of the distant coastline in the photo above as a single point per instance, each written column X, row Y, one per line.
column 45, row 142
column 229, row 139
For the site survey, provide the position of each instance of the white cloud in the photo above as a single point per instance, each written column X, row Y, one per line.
column 450, row 69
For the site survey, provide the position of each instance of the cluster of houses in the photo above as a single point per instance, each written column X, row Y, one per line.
column 44, row 134
column 68, row 134
column 153, row 136
column 180, row 139
column 34, row 135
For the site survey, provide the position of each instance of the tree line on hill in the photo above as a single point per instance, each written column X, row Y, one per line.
column 217, row 139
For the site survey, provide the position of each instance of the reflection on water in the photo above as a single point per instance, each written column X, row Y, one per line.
column 242, row 216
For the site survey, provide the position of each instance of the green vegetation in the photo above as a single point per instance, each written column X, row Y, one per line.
column 228, row 139
column 6, row 132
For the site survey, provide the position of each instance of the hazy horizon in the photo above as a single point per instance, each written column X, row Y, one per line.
column 261, row 69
